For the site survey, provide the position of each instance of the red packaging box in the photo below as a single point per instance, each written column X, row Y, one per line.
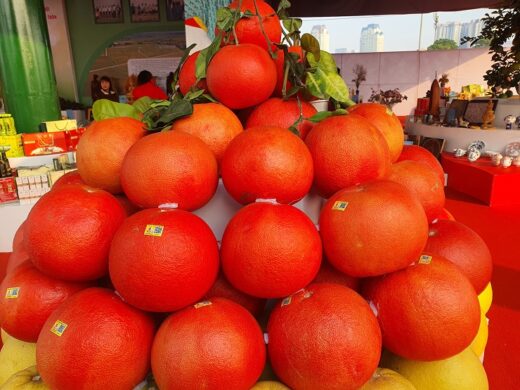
column 44, row 143
column 8, row 190
column 73, row 137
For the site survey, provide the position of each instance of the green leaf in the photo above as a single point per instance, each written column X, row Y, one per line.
column 157, row 118
column 225, row 19
column 325, row 61
column 205, row 56
column 292, row 25
column 294, row 130
column 142, row 104
column 192, row 95
column 283, row 6
column 248, row 14
column 310, row 44
column 105, row 109
column 336, row 87
column 322, row 115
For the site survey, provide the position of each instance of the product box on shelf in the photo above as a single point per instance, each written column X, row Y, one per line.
column 32, row 188
column 44, row 143
column 8, row 190
column 14, row 142
column 59, row 126
column 73, row 137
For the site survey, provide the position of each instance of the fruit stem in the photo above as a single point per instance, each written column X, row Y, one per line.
column 269, row 43
column 285, row 75
column 235, row 20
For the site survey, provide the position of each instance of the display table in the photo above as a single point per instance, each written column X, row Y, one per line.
column 495, row 186
column 456, row 137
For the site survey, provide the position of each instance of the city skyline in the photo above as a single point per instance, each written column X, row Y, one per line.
column 321, row 33
column 372, row 39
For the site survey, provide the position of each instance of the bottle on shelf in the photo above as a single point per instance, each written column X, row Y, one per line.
column 5, row 167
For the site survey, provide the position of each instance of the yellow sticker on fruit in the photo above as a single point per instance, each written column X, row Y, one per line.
column 286, row 301
column 12, row 292
column 58, row 328
column 425, row 259
column 154, row 230
column 340, row 205
column 202, row 304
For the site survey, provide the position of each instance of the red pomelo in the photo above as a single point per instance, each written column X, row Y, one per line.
column 270, row 251
column 445, row 214
column 187, row 76
column 68, row 178
column 95, row 341
column 418, row 153
column 324, row 337
column 163, row 259
column 69, row 231
column 17, row 257
column 18, row 239
column 373, row 228
column 328, row 274
column 214, row 344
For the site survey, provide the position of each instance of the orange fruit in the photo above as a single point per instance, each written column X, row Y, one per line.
column 68, row 232
column 373, row 229
column 249, row 81
column 445, row 214
column 267, row 163
column 28, row 299
column 223, row 289
column 170, row 167
column 95, row 341
column 68, row 178
column 328, row 274
column 18, row 256
column 270, row 251
column 249, row 30
column 282, row 113
column 213, row 123
column 162, row 260
column 346, row 150
column 427, row 311
column 216, row 344
column 280, row 64
column 423, row 182
column 418, row 153
column 101, row 150
column 128, row 206
column 463, row 247
column 18, row 239
column 187, row 75
column 324, row 337
column 386, row 122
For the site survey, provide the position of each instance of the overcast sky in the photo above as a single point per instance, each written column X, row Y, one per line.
column 401, row 31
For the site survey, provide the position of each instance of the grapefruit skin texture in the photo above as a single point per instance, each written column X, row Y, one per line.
column 463, row 247
column 215, row 346
column 39, row 295
column 187, row 75
column 326, row 338
column 382, row 228
column 250, row 80
column 101, row 150
column 426, row 311
column 106, row 344
column 68, row 232
column 17, row 257
column 346, row 150
column 167, row 272
column 270, row 251
column 328, row 274
column 418, row 153
column 386, row 122
column 282, row 113
column 68, row 178
column 267, row 163
column 170, row 167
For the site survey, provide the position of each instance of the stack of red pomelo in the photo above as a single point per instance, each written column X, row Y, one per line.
column 188, row 305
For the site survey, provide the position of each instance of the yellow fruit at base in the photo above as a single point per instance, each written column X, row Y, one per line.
column 485, row 298
column 15, row 356
column 385, row 379
column 460, row 372
column 269, row 385
column 4, row 335
column 27, row 379
column 478, row 345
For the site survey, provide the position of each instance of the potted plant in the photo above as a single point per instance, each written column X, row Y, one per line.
column 389, row 97
column 361, row 75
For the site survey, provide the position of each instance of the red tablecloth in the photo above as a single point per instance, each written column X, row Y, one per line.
column 494, row 186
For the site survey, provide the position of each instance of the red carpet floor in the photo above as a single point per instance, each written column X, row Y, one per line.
column 500, row 228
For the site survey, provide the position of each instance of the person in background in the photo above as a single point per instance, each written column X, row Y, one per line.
column 94, row 86
column 105, row 90
column 146, row 87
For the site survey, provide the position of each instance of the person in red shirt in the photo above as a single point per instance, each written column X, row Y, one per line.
column 146, row 87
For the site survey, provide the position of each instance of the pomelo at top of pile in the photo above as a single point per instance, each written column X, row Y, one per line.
column 270, row 250
column 29, row 298
column 69, row 230
column 250, row 29
column 462, row 371
column 385, row 379
column 163, row 259
column 170, row 167
column 324, row 337
column 101, row 150
column 283, row 113
column 418, row 153
column 241, row 76
column 95, row 341
column 329, row 274
column 386, row 122
column 187, row 76
column 464, row 247
column 423, row 182
column 373, row 228
column 280, row 69
column 216, row 344
column 346, row 150
column 69, row 178
column 427, row 311
column 213, row 123
column 267, row 163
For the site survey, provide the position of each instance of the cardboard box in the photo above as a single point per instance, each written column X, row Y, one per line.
column 44, row 143
column 15, row 144
column 8, row 190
